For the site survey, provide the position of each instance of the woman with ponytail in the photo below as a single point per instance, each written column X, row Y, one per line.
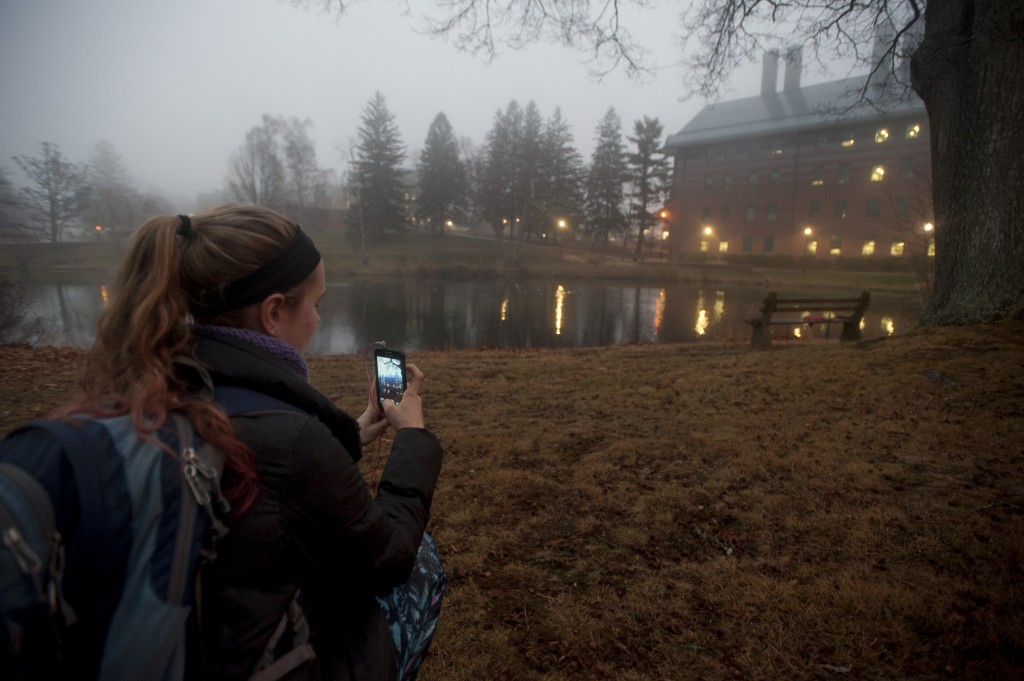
column 317, row 577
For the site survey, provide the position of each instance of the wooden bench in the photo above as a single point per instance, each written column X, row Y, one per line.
column 846, row 311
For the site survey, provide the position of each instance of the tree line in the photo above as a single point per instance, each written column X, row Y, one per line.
column 527, row 179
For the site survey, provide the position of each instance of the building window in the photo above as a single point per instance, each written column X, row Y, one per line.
column 752, row 180
column 907, row 168
column 840, row 211
column 705, row 246
column 705, row 212
column 769, row 243
column 931, row 248
column 723, row 246
column 772, row 212
column 748, row 243
column 777, row 148
column 709, row 183
column 818, row 176
column 728, row 182
column 868, row 248
column 751, row 212
column 836, row 247
column 844, row 173
column 881, row 135
column 896, row 248
column 815, row 210
column 847, row 141
column 725, row 212
column 811, row 247
column 773, row 179
column 821, row 141
column 878, row 173
column 913, row 130
column 873, row 207
column 902, row 208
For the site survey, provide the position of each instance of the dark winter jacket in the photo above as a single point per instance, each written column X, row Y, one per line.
column 314, row 525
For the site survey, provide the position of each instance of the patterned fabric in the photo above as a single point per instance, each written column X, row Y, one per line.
column 413, row 609
column 275, row 346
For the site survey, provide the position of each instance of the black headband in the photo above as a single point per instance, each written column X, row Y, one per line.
column 281, row 273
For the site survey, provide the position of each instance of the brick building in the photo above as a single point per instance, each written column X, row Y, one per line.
column 818, row 170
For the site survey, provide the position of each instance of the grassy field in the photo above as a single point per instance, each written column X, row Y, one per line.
column 708, row 511
column 467, row 257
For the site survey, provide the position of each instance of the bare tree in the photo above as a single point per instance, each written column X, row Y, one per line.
column 257, row 174
column 965, row 64
column 55, row 201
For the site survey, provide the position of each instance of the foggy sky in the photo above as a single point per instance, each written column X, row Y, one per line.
column 174, row 86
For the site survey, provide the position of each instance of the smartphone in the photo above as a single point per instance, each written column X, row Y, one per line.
column 389, row 367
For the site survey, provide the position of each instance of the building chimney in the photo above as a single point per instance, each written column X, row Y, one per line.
column 770, row 73
column 794, row 64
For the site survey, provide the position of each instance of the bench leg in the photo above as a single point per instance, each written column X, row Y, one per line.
column 761, row 337
column 851, row 331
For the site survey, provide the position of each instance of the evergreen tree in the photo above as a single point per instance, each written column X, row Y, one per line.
column 560, row 193
column 604, row 203
column 443, row 184
column 529, row 172
column 500, row 200
column 378, row 171
column 649, row 177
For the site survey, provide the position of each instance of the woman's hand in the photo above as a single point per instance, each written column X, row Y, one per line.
column 372, row 424
column 409, row 412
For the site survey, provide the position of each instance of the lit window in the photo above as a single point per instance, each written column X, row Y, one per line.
column 772, row 212
column 913, row 130
column 723, row 246
column 812, row 247
column 931, row 248
column 847, row 141
column 837, row 246
column 777, row 149
column 896, row 248
column 878, row 173
column 868, row 248
column 844, row 173
column 751, row 212
column 704, row 247
column 881, row 135
column 818, row 176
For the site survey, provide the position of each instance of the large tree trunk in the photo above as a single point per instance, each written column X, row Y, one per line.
column 969, row 71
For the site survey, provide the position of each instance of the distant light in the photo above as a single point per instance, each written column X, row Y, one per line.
column 99, row 228
column 882, row 135
column 808, row 231
column 928, row 226
column 707, row 230
column 450, row 223
column 562, row 224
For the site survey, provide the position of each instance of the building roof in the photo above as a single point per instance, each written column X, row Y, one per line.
column 810, row 107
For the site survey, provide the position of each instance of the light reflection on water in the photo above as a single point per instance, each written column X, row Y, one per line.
column 438, row 314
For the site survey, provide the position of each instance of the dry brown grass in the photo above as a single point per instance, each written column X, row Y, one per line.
column 817, row 511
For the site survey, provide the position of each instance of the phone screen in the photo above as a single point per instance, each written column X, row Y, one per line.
column 390, row 365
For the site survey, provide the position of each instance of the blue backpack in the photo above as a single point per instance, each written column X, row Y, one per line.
column 113, row 598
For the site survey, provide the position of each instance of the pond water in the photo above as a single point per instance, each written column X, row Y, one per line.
column 432, row 314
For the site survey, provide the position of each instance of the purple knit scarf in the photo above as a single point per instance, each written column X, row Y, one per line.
column 276, row 347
